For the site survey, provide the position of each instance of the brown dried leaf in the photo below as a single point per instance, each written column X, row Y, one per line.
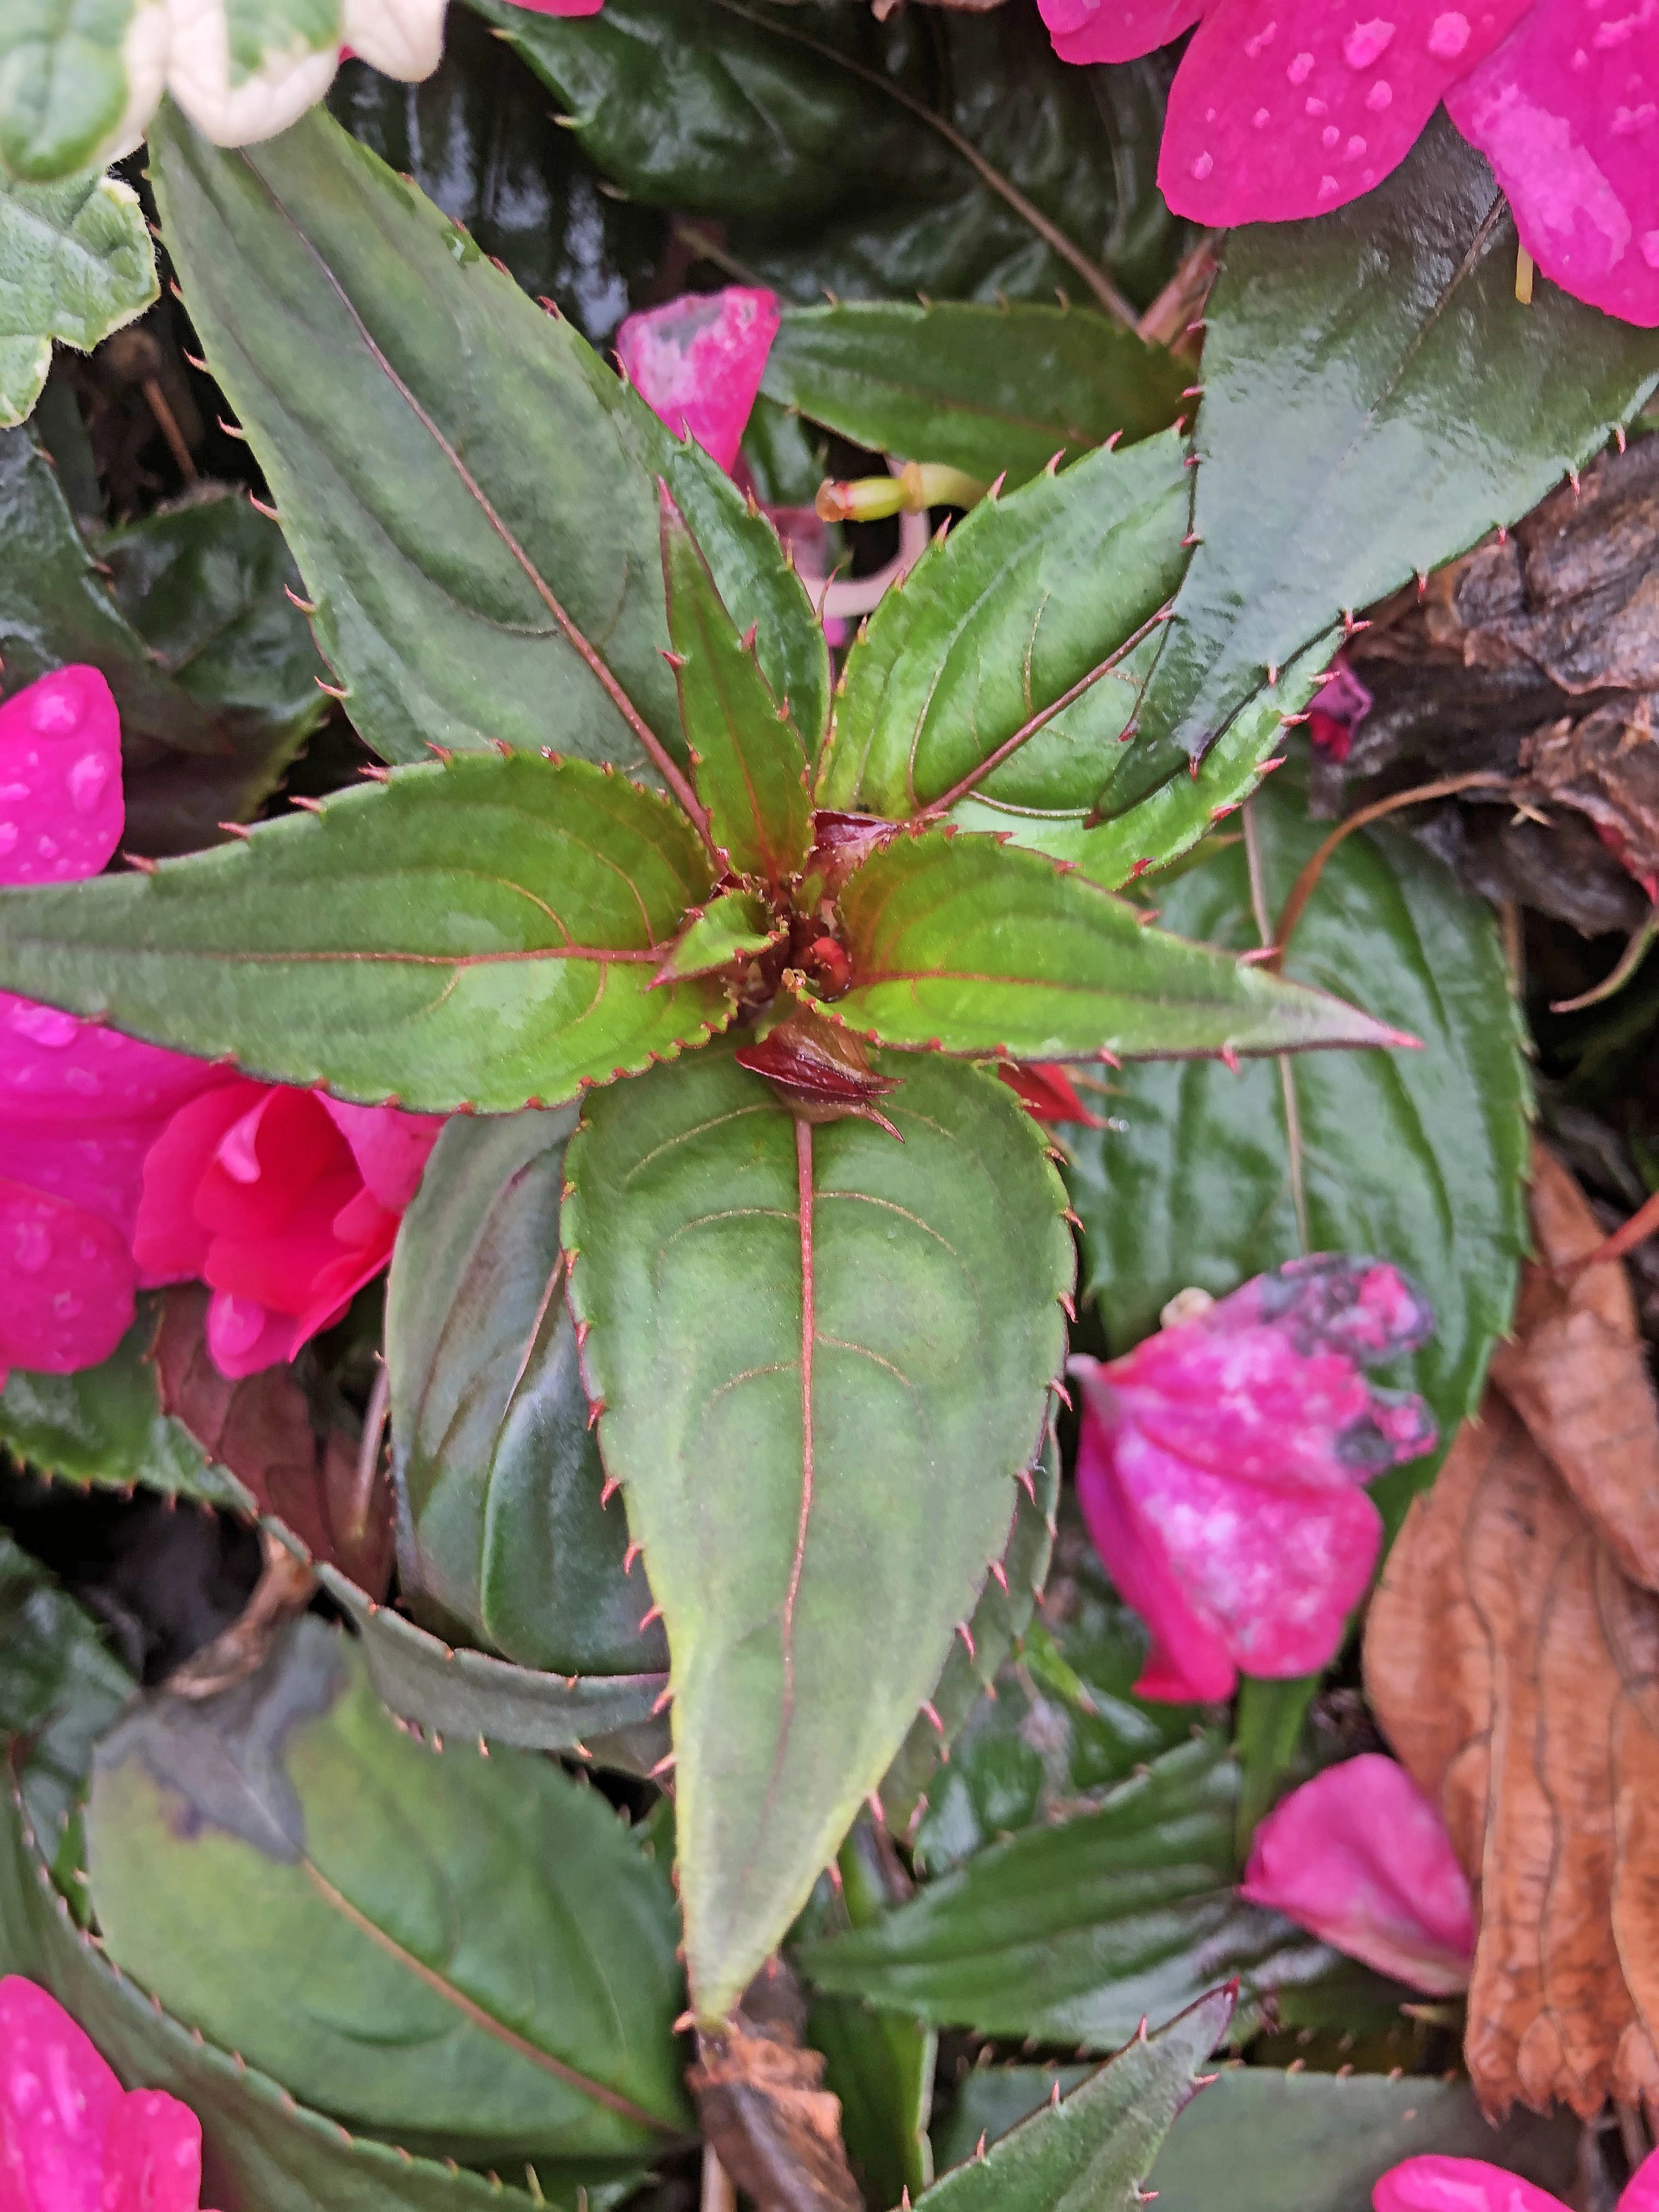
column 775, row 2128
column 261, row 1429
column 1514, row 1665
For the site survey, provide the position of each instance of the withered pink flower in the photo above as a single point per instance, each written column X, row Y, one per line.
column 1335, row 712
column 1222, row 1466
column 71, row 2139
column 1470, row 2184
column 1361, row 1858
column 1278, row 111
column 698, row 362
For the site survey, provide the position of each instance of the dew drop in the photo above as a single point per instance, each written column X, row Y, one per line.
column 1379, row 96
column 43, row 1025
column 1252, row 46
column 1329, row 136
column 66, row 1305
column 1354, row 148
column 83, row 1082
column 1651, row 248
column 1202, row 166
column 1261, row 118
column 9, row 793
column 89, row 1249
column 47, row 847
column 1316, row 107
column 1301, row 69
column 31, row 1246
column 1447, row 36
column 52, row 712
column 1328, row 188
column 8, row 836
column 1580, row 61
column 1366, row 42
column 86, row 779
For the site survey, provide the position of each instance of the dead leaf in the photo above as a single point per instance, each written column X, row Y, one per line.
column 261, row 1429
column 774, row 2127
column 1512, row 1660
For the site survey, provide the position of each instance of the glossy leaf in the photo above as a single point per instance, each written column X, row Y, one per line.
column 76, row 263
column 261, row 2151
column 104, row 1426
column 967, row 944
column 791, row 126
column 748, row 766
column 731, row 928
column 991, row 391
column 1417, row 1159
column 447, row 1691
column 823, row 1357
column 483, row 931
column 1095, row 2147
column 476, row 137
column 502, row 1533
column 470, row 493
column 999, row 1620
column 996, row 624
column 460, row 1953
column 1072, row 1933
column 60, row 1688
column 1376, row 399
column 213, row 670
column 1258, row 2140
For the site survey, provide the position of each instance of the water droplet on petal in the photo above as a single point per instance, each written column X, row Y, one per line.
column 1329, row 136
column 43, row 1025
column 1301, row 69
column 1261, row 118
column 1328, row 188
column 66, row 1305
column 1353, row 150
column 1651, row 248
column 9, row 792
column 1202, row 166
column 86, row 779
column 1447, row 36
column 82, row 1079
column 31, row 1246
column 8, row 836
column 52, row 711
column 1379, row 96
column 47, row 847
column 1366, row 42
column 89, row 1249
column 1252, row 46
column 1316, row 107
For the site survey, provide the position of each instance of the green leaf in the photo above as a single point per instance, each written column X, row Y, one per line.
column 859, row 158
column 1094, row 2147
column 1376, row 400
column 104, row 1426
column 992, row 391
column 481, row 931
column 450, row 1691
column 501, row 1532
column 463, row 1954
column 965, row 944
column 999, row 1620
column 76, row 263
column 66, row 98
column 995, row 625
column 470, row 493
column 1258, row 2140
column 731, row 928
column 817, row 1412
column 261, row 2151
column 1418, row 1157
column 1072, row 1934
column 212, row 669
column 476, row 137
column 60, row 1688
column 748, row 765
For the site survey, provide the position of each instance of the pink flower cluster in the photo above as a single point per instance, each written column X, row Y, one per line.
column 1283, row 108
column 123, row 1166
column 71, row 2139
column 1222, row 1464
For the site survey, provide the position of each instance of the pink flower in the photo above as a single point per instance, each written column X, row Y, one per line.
column 1360, row 1857
column 71, row 2140
column 697, row 363
column 1277, row 113
column 284, row 1202
column 1222, row 1462
column 560, row 7
column 1469, row 2184
column 80, row 1105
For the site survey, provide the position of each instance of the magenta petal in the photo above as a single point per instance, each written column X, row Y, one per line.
column 558, row 7
column 1641, row 2192
column 56, row 2096
column 1116, row 30
column 697, row 362
column 66, row 1283
column 244, row 1337
column 1360, row 1857
column 1274, row 115
column 391, row 1147
column 53, row 1065
column 102, row 1168
column 61, row 808
column 1458, row 2184
column 152, row 2156
column 1567, row 112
